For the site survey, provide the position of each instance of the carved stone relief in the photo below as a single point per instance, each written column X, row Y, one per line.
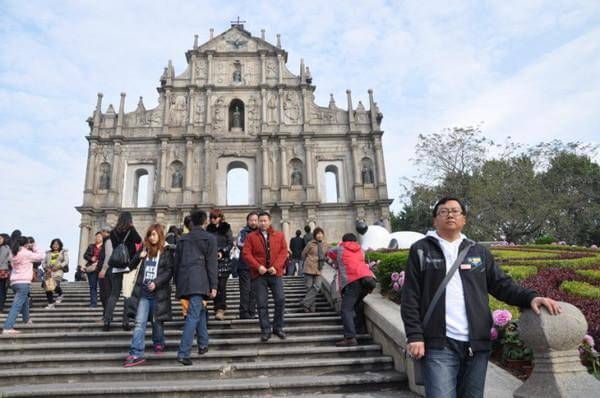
column 272, row 109
column 199, row 109
column 177, row 110
column 271, row 68
column 253, row 116
column 220, row 113
column 291, row 108
column 201, row 69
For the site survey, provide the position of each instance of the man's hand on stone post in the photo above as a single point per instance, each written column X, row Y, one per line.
column 416, row 349
column 552, row 306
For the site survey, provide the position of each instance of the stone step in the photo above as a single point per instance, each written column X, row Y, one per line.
column 119, row 335
column 250, row 354
column 365, row 381
column 122, row 344
column 202, row 369
column 43, row 325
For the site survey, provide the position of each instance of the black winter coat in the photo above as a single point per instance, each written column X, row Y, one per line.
column 118, row 237
column 224, row 237
column 195, row 267
column 297, row 244
column 425, row 272
column 162, row 292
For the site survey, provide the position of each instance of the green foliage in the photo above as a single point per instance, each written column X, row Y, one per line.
column 563, row 248
column 589, row 273
column 521, row 254
column 571, row 263
column 590, row 358
column 496, row 304
column 520, row 272
column 581, row 289
column 390, row 262
column 545, row 240
column 513, row 347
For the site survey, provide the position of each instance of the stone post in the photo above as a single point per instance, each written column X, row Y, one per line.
column 97, row 115
column 558, row 371
column 119, row 131
column 350, row 111
column 372, row 111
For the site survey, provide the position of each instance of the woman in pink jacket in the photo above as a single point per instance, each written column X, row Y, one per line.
column 20, row 281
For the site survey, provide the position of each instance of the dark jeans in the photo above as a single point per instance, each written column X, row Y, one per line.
column 221, row 297
column 451, row 372
column 195, row 324
column 116, row 285
column 92, row 278
column 260, row 286
column 353, row 316
column 50, row 295
column 3, row 290
column 247, row 296
column 104, row 284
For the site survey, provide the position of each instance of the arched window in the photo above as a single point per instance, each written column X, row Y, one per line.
column 236, row 115
column 366, row 171
column 296, row 172
column 332, row 185
column 176, row 174
column 237, row 184
column 140, row 188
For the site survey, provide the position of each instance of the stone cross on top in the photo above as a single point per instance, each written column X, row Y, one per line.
column 238, row 23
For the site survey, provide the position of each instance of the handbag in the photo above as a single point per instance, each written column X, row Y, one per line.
column 129, row 280
column 417, row 364
column 91, row 267
column 119, row 258
column 49, row 284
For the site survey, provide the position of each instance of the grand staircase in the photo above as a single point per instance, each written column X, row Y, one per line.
column 64, row 353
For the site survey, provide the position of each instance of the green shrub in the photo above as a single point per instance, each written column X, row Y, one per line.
column 564, row 248
column 520, row 272
column 390, row 262
column 568, row 263
column 589, row 273
column 545, row 240
column 581, row 289
column 523, row 254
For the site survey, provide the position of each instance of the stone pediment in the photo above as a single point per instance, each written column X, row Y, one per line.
column 237, row 40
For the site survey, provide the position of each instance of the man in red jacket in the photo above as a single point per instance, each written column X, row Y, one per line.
column 265, row 252
column 355, row 281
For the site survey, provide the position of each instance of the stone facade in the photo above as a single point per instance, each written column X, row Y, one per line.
column 235, row 106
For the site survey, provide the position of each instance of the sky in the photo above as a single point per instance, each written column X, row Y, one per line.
column 525, row 69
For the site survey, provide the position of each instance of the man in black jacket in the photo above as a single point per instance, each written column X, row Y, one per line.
column 195, row 280
column 455, row 341
column 297, row 244
column 247, row 296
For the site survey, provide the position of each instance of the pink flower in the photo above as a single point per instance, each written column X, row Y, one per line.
column 401, row 279
column 395, row 276
column 501, row 317
column 396, row 286
column 493, row 334
column 589, row 340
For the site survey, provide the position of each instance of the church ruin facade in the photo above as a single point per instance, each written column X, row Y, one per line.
column 236, row 106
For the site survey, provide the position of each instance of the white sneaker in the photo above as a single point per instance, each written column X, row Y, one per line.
column 59, row 299
column 29, row 322
column 49, row 307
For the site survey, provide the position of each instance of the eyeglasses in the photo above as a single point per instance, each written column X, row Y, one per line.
column 214, row 217
column 446, row 212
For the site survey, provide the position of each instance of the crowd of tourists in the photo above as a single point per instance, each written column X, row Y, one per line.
column 198, row 260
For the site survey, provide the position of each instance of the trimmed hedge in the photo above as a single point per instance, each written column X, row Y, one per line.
column 520, row 272
column 589, row 273
column 581, row 289
column 523, row 254
column 566, row 263
column 394, row 261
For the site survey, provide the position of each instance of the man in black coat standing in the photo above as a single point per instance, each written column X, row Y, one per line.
column 195, row 280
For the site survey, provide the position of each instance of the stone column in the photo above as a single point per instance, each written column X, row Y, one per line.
column 358, row 193
column 85, row 229
column 263, row 106
column 285, row 223
column 284, row 172
column 116, row 181
column 209, row 78
column 280, row 69
column 280, row 105
column 263, row 76
column 97, row 114
column 189, row 161
column 119, row 131
column 208, row 107
column 190, row 110
column 265, row 171
column 166, row 122
column 309, row 163
column 206, row 172
column 350, row 111
column 381, row 184
column 372, row 111
column 91, row 165
column 305, row 109
column 558, row 371
column 163, row 172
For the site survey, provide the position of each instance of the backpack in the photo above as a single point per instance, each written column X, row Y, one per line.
column 119, row 257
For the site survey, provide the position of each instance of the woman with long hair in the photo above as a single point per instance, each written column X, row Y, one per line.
column 315, row 256
column 20, row 281
column 56, row 263
column 151, row 296
column 125, row 234
column 94, row 257
column 4, row 268
column 222, row 231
